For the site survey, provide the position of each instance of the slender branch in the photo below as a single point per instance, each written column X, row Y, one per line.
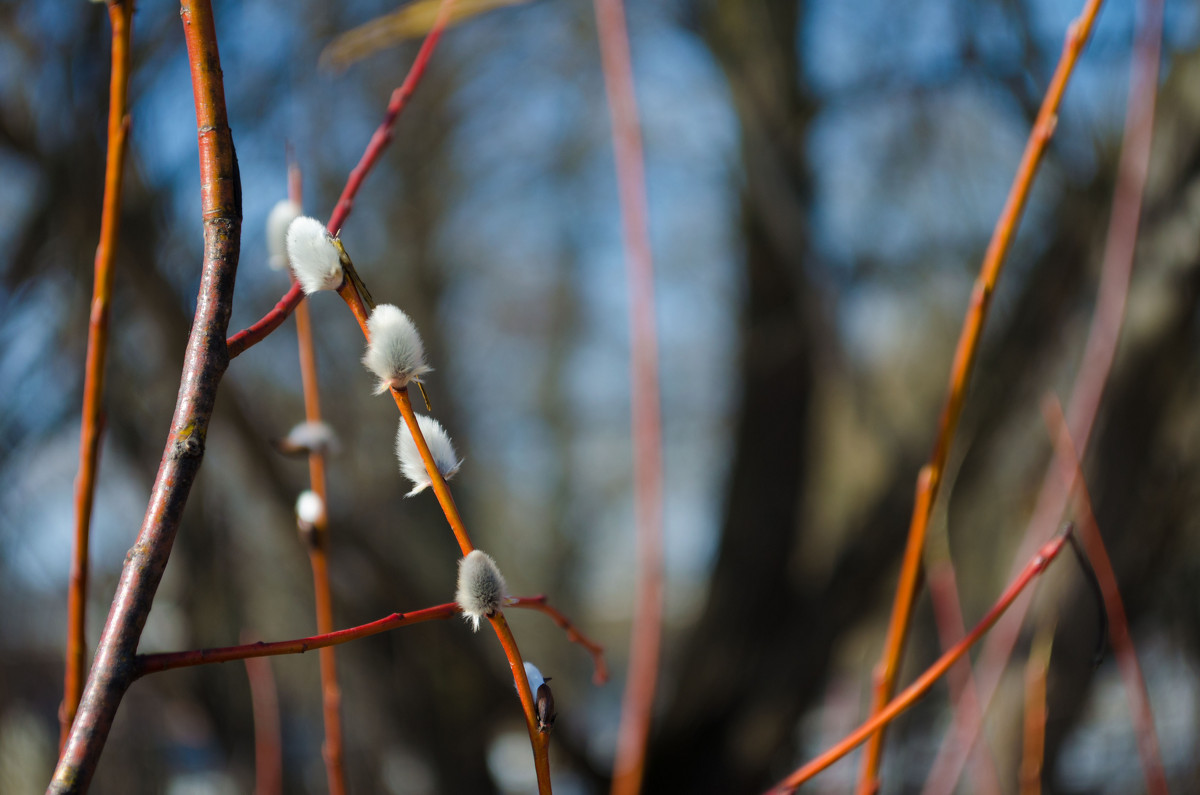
column 1122, row 641
column 637, row 704
column 538, row 739
column 318, row 547
column 145, row 664
column 165, row 661
column 259, row 331
column 204, row 363
column 1099, row 351
column 268, row 745
column 600, row 673
column 960, row 373
column 121, row 16
column 1033, row 747
column 926, row 680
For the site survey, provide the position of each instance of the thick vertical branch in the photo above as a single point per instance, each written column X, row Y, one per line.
column 637, row 705
column 930, row 479
column 204, row 364
column 121, row 15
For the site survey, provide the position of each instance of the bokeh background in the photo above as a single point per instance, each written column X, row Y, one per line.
column 822, row 179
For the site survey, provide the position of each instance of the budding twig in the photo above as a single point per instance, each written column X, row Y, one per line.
column 930, row 478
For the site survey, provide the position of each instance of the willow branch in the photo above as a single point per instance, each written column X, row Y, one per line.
column 960, row 373
column 1099, row 351
column 383, row 135
column 120, row 15
column 637, row 704
column 205, row 362
column 926, row 681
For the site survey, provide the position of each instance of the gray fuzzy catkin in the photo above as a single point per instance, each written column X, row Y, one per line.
column 481, row 589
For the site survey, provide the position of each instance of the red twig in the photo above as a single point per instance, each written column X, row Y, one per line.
column 257, row 332
column 960, row 373
column 637, row 705
column 1093, row 374
column 1114, row 606
column 923, row 683
column 600, row 673
column 145, row 664
column 268, row 745
column 964, row 693
column 121, row 16
column 166, row 661
column 204, row 363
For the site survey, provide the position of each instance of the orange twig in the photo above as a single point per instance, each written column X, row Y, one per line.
column 600, row 675
column 256, row 333
column 1114, row 606
column 121, row 16
column 268, row 747
column 1033, row 748
column 538, row 739
column 318, row 549
column 960, row 372
column 1093, row 374
column 637, row 704
column 924, row 682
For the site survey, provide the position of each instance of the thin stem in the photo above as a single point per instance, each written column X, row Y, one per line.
column 1033, row 746
column 268, row 745
column 960, row 373
column 1099, row 351
column 145, row 664
column 600, row 672
column 166, row 661
column 539, row 740
column 120, row 15
column 205, row 362
column 259, row 331
column 1122, row 641
column 637, row 704
column 318, row 548
column 926, row 680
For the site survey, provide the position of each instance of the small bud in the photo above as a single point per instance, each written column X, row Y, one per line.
column 395, row 354
column 412, row 466
column 310, row 508
column 282, row 214
column 543, row 699
column 314, row 258
column 481, row 588
column 309, row 437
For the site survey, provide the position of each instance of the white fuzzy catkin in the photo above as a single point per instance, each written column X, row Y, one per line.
column 313, row 257
column 395, row 354
column 310, row 508
column 411, row 464
column 282, row 214
column 311, row 437
column 481, row 589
